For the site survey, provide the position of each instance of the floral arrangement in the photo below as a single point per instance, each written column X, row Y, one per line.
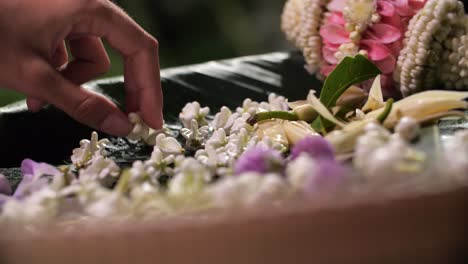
column 416, row 44
column 260, row 154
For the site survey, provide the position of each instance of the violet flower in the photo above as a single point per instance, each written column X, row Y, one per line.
column 328, row 175
column 35, row 177
column 259, row 160
column 315, row 146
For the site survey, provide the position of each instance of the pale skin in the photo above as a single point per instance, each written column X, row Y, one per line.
column 34, row 60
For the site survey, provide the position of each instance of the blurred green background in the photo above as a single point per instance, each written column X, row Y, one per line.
column 194, row 31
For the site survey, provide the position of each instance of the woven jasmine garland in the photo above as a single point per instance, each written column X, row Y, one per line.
column 416, row 44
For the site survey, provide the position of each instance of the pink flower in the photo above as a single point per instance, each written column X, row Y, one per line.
column 382, row 41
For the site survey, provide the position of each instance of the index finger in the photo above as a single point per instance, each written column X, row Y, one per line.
column 138, row 49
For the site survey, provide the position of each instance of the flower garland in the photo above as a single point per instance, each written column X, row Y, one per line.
column 416, row 44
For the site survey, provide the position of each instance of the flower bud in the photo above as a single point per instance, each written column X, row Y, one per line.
column 306, row 113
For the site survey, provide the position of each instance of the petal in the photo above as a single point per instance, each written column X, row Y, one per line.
column 336, row 5
column 394, row 20
column 403, row 8
column 336, row 18
column 385, row 9
column 417, row 4
column 170, row 145
column 334, row 34
column 383, row 33
column 326, row 70
column 376, row 51
column 395, row 48
column 328, row 54
column 387, row 65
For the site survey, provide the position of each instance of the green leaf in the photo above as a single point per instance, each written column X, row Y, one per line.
column 350, row 71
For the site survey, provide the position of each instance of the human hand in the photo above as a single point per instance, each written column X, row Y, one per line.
column 34, row 60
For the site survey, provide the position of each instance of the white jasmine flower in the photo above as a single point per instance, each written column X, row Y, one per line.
column 186, row 191
column 299, row 170
column 375, row 137
column 218, row 139
column 143, row 171
column 248, row 189
column 230, row 122
column 160, row 163
column 241, row 123
column 148, row 201
column 395, row 157
column 89, row 149
column 113, row 204
column 194, row 111
column 213, row 158
column 456, row 155
column 101, row 169
column 237, row 143
column 195, row 136
column 271, row 189
column 168, row 145
column 231, row 192
column 38, row 209
column 221, row 118
column 141, row 131
column 408, row 128
column 248, row 106
column 190, row 180
column 277, row 102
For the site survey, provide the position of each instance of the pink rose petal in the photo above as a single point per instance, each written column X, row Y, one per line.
column 385, row 9
column 395, row 48
column 327, row 69
column 336, row 5
column 336, row 18
column 376, row 51
column 395, row 21
column 334, row 34
column 328, row 54
column 383, row 33
column 417, row 4
column 403, row 8
column 387, row 65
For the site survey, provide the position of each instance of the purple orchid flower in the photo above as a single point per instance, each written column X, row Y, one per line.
column 329, row 174
column 315, row 146
column 260, row 160
column 35, row 177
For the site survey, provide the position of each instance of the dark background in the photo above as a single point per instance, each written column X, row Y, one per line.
column 193, row 31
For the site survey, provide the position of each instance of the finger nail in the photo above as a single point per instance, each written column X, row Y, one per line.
column 117, row 124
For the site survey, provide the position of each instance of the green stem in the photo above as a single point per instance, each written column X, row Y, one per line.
column 123, row 183
column 386, row 112
column 291, row 116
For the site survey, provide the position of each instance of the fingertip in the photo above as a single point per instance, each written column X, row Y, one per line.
column 34, row 105
column 117, row 124
column 153, row 120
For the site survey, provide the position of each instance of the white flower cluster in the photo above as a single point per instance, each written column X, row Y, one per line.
column 456, row 155
column 143, row 132
column 168, row 183
column 378, row 153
